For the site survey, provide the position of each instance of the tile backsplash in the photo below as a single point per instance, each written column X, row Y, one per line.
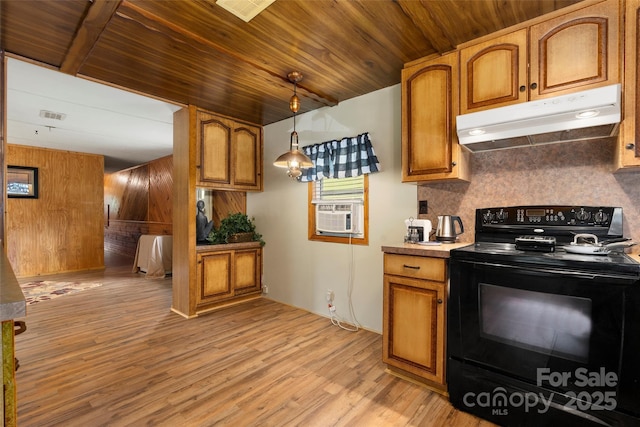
column 570, row 173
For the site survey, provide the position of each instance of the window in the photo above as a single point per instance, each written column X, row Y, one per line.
column 339, row 189
column 339, row 210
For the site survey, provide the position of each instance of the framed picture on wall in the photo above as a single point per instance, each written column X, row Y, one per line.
column 22, row 181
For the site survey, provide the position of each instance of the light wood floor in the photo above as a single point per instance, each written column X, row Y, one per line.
column 115, row 355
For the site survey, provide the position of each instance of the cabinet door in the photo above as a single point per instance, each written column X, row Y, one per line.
column 414, row 327
column 229, row 154
column 214, row 276
column 247, row 271
column 247, row 157
column 494, row 73
column 430, row 149
column 214, row 149
column 627, row 151
column 576, row 51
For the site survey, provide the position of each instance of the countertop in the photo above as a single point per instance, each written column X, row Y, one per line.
column 12, row 302
column 435, row 251
column 227, row 246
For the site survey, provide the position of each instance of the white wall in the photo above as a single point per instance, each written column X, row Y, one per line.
column 298, row 271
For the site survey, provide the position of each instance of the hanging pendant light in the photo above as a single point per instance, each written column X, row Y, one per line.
column 294, row 159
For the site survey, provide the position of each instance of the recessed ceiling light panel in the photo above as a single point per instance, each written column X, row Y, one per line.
column 244, row 9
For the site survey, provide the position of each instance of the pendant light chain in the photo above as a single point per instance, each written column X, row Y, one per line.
column 294, row 159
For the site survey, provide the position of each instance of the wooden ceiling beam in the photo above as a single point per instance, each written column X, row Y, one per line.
column 93, row 24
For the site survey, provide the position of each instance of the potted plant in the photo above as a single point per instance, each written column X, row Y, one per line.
column 235, row 228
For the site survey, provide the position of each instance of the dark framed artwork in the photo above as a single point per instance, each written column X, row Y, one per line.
column 22, row 181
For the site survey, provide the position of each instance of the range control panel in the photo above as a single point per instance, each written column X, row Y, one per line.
column 581, row 216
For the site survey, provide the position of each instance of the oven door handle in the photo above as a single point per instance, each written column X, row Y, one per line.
column 621, row 278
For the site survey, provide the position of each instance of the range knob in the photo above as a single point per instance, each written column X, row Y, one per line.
column 487, row 217
column 600, row 217
column 582, row 215
column 502, row 215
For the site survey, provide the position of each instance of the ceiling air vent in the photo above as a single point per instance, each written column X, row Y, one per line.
column 52, row 115
column 244, row 9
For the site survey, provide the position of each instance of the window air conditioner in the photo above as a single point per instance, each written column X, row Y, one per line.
column 336, row 218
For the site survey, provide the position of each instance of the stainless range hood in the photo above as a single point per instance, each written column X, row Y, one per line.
column 590, row 114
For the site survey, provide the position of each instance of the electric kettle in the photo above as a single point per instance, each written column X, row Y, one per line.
column 446, row 228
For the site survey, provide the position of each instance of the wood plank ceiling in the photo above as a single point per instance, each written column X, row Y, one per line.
column 195, row 52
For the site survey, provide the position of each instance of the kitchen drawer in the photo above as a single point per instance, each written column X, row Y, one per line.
column 417, row 267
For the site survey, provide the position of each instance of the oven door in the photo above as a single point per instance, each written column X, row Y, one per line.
column 557, row 329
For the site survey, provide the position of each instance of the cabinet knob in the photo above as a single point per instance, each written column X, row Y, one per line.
column 453, row 163
column 534, row 85
column 630, row 146
column 523, row 88
column 439, row 300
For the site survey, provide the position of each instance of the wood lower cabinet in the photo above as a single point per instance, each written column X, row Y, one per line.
column 628, row 148
column 226, row 276
column 229, row 153
column 575, row 51
column 414, row 318
column 430, row 149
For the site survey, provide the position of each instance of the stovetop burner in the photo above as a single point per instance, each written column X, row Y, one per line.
column 508, row 253
column 536, row 235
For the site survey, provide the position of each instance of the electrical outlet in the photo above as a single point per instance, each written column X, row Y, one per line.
column 423, row 207
column 265, row 289
column 330, row 296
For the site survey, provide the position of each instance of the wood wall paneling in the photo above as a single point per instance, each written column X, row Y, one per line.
column 61, row 230
column 122, row 236
column 226, row 203
column 161, row 190
column 138, row 200
column 127, row 194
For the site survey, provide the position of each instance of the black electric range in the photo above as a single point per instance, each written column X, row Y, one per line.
column 522, row 312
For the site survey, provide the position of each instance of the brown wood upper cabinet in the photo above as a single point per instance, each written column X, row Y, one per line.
column 628, row 152
column 430, row 149
column 229, row 153
column 571, row 52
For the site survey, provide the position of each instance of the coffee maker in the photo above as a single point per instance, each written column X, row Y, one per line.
column 418, row 227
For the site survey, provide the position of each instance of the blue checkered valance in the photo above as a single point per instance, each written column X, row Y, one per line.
column 340, row 159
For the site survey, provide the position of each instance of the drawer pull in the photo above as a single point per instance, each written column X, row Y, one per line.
column 411, row 267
